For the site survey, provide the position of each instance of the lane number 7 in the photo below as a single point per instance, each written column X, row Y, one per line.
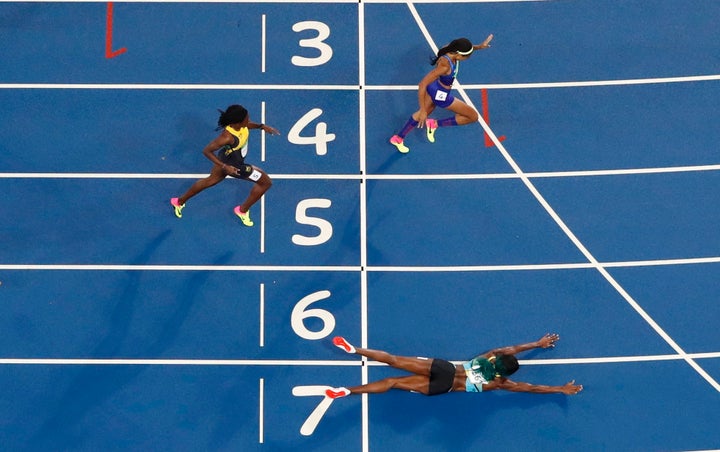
column 313, row 420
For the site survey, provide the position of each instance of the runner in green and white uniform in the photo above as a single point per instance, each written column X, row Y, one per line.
column 485, row 372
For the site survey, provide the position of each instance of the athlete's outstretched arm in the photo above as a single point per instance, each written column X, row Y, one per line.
column 569, row 388
column 265, row 127
column 485, row 44
column 546, row 341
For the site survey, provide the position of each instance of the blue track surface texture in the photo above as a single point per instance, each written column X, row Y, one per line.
column 584, row 203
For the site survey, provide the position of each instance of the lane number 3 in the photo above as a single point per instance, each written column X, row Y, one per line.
column 318, row 42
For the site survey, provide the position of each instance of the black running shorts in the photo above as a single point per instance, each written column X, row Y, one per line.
column 442, row 376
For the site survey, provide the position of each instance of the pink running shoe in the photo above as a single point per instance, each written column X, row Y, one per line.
column 340, row 342
column 177, row 206
column 336, row 393
column 244, row 216
column 430, row 126
column 398, row 142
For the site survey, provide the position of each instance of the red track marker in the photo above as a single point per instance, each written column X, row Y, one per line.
column 109, row 53
column 486, row 117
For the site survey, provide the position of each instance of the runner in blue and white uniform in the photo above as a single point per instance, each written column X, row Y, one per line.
column 434, row 90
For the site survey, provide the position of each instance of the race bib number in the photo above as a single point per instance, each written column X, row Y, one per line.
column 441, row 95
column 255, row 175
column 476, row 379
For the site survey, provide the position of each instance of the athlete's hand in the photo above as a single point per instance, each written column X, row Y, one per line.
column 271, row 130
column 570, row 388
column 422, row 116
column 486, row 43
column 548, row 341
column 230, row 170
